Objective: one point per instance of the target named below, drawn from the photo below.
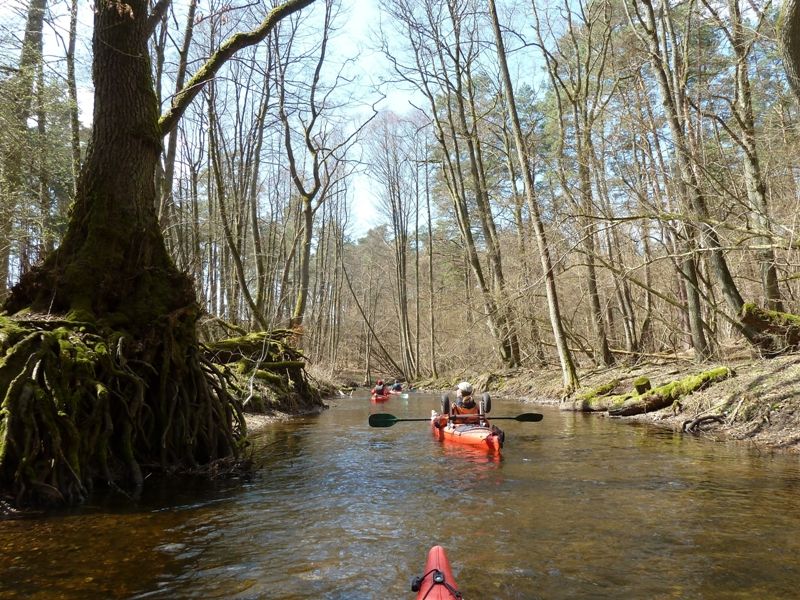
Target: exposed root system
(270, 369)
(81, 407)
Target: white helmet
(465, 388)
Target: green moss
(601, 390)
(242, 366)
(269, 376)
(10, 332)
(596, 398)
(665, 395)
(615, 402)
(750, 309)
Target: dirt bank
(759, 405)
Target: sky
(356, 39)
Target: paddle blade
(524, 417)
(382, 420)
(529, 417)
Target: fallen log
(595, 399)
(664, 395)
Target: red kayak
(438, 582)
(480, 435)
(379, 397)
(469, 429)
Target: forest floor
(758, 406)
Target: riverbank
(759, 405)
(257, 421)
(283, 406)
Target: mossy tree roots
(267, 364)
(777, 332)
(81, 406)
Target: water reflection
(574, 507)
(469, 454)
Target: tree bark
(790, 43)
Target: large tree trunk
(790, 43)
(112, 269)
(113, 259)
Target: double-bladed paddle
(387, 420)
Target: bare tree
(568, 370)
(443, 39)
(577, 70)
(324, 146)
(393, 167)
(671, 85)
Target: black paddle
(387, 420)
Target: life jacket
(464, 410)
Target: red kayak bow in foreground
(438, 582)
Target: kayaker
(397, 386)
(465, 404)
(380, 388)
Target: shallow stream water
(576, 506)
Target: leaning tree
(102, 378)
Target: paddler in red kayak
(465, 404)
(380, 389)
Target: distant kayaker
(380, 388)
(397, 386)
(465, 404)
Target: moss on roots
(266, 364)
(82, 406)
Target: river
(576, 506)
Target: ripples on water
(575, 507)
